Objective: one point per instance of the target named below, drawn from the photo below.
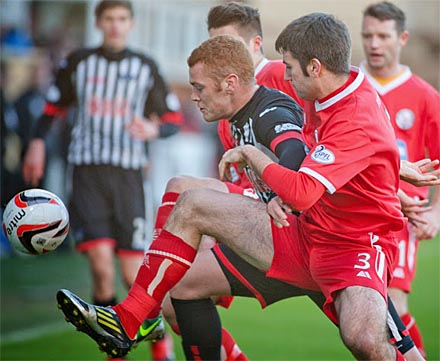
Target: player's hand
(431, 226)
(34, 162)
(413, 208)
(231, 156)
(144, 129)
(420, 173)
(277, 209)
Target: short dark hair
(320, 36)
(223, 55)
(387, 11)
(245, 17)
(107, 4)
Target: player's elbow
(302, 204)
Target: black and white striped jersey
(108, 89)
(269, 118)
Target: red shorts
(331, 265)
(405, 264)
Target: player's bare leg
(239, 222)
(101, 260)
(174, 187)
(367, 337)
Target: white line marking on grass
(31, 333)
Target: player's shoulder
(143, 56)
(417, 81)
(75, 56)
(272, 69)
(268, 95)
(271, 94)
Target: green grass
(32, 328)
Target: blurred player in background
(414, 108)
(122, 102)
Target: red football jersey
(414, 108)
(354, 155)
(269, 73)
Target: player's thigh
(239, 222)
(360, 308)
(205, 278)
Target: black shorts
(108, 203)
(247, 281)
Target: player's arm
(162, 111)
(291, 153)
(413, 208)
(297, 189)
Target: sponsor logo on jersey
(405, 119)
(95, 80)
(286, 126)
(323, 155)
(116, 107)
(265, 111)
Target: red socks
(165, 263)
(414, 332)
(169, 200)
(233, 352)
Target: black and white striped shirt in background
(108, 90)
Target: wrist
(246, 152)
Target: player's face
(210, 97)
(382, 45)
(294, 74)
(115, 24)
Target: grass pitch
(32, 328)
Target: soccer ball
(35, 221)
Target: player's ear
(231, 82)
(257, 43)
(404, 36)
(314, 67)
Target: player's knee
(361, 342)
(179, 183)
(192, 202)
